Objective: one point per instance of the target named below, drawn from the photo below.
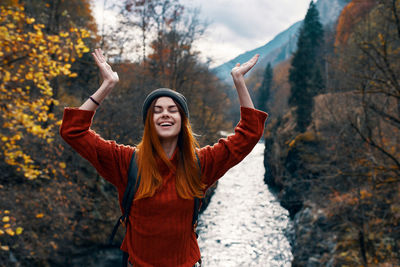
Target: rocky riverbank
(342, 213)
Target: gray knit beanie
(179, 99)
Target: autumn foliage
(351, 14)
(29, 60)
(54, 208)
(340, 179)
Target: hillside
(340, 179)
(284, 44)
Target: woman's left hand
(240, 70)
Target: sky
(234, 26)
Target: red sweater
(159, 232)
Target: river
(244, 224)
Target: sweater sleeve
(216, 160)
(110, 159)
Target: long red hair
(188, 183)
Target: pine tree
(265, 88)
(305, 74)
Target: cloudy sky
(235, 26)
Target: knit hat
(179, 99)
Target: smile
(166, 124)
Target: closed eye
(173, 109)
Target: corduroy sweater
(159, 232)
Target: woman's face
(167, 119)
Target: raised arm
(238, 73)
(110, 79)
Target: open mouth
(166, 124)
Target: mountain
(285, 43)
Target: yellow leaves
(19, 230)
(10, 232)
(7, 226)
(85, 34)
(29, 76)
(10, 26)
(31, 173)
(62, 165)
(38, 27)
(30, 20)
(64, 34)
(6, 76)
(44, 57)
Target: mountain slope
(284, 44)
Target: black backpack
(127, 200)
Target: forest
(54, 206)
(332, 143)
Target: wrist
(237, 77)
(109, 84)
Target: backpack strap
(197, 201)
(129, 194)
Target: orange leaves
(349, 17)
(5, 248)
(351, 198)
(345, 198)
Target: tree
(29, 60)
(264, 91)
(169, 61)
(305, 74)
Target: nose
(165, 113)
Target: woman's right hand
(109, 76)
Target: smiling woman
(159, 230)
(167, 120)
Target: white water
(244, 224)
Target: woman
(159, 231)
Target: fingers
(253, 60)
(98, 56)
(245, 67)
(250, 64)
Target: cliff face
(340, 178)
(298, 167)
(333, 212)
